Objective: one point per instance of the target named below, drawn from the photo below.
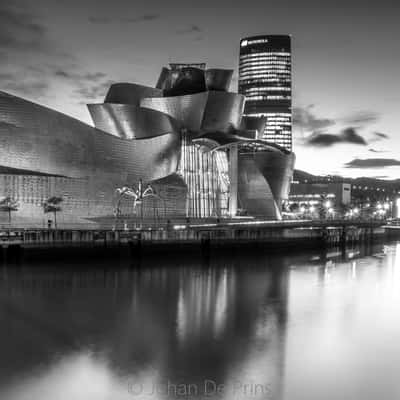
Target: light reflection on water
(309, 326)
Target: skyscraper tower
(265, 78)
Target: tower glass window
(265, 78)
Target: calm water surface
(311, 326)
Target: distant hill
(302, 176)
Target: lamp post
(329, 211)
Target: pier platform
(18, 243)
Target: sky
(346, 63)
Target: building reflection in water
(92, 332)
(250, 323)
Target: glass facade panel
(265, 79)
(206, 175)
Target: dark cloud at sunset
(123, 20)
(349, 136)
(304, 118)
(373, 163)
(362, 118)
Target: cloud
(90, 91)
(381, 135)
(20, 29)
(26, 50)
(348, 135)
(378, 136)
(189, 30)
(123, 20)
(87, 85)
(76, 76)
(306, 120)
(362, 118)
(372, 163)
(6, 76)
(376, 151)
(100, 20)
(30, 87)
(145, 17)
(34, 84)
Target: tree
(52, 205)
(8, 205)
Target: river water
(243, 326)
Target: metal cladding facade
(254, 193)
(187, 110)
(218, 79)
(277, 169)
(131, 122)
(254, 124)
(130, 93)
(206, 111)
(270, 167)
(186, 138)
(64, 157)
(223, 112)
(38, 139)
(183, 79)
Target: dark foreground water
(311, 326)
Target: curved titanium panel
(181, 82)
(254, 193)
(223, 112)
(36, 138)
(218, 79)
(245, 144)
(163, 78)
(186, 110)
(206, 112)
(254, 124)
(130, 122)
(277, 168)
(219, 139)
(130, 93)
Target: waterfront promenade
(16, 242)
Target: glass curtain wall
(205, 173)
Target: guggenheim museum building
(185, 141)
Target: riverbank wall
(20, 245)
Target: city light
(179, 227)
